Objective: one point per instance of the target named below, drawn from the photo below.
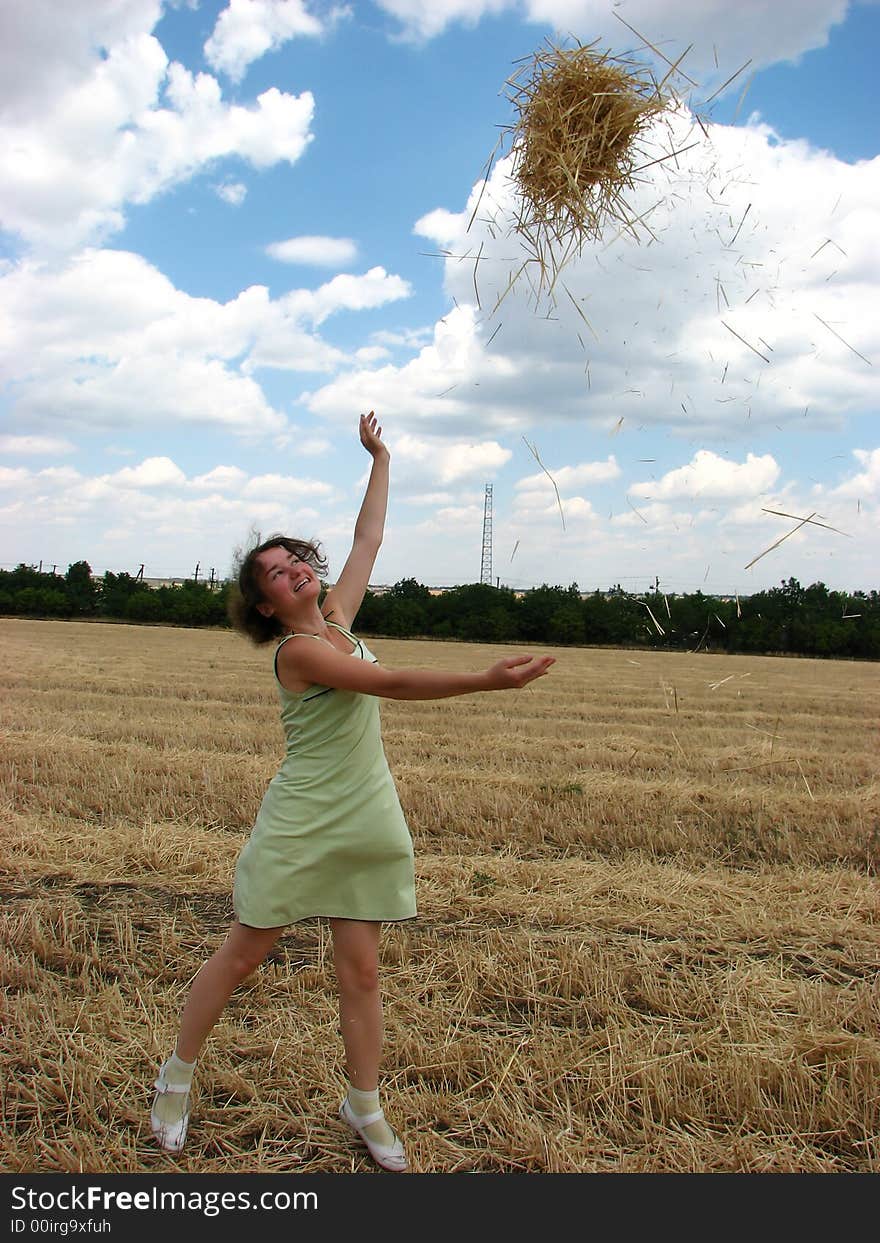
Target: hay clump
(580, 114)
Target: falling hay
(802, 522)
(580, 115)
(534, 453)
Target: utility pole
(211, 583)
(139, 577)
(486, 568)
(196, 573)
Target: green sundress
(330, 838)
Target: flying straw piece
(846, 343)
(739, 226)
(580, 312)
(660, 629)
(806, 783)
(727, 83)
(797, 518)
(745, 342)
(713, 686)
(476, 265)
(803, 522)
(655, 50)
(749, 80)
(636, 512)
(534, 453)
(513, 554)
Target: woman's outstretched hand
(514, 672)
(371, 436)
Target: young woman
(330, 838)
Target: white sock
(170, 1107)
(365, 1103)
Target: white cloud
(440, 226)
(34, 446)
(866, 483)
(124, 129)
(346, 292)
(106, 340)
(436, 387)
(153, 472)
(567, 477)
(41, 57)
(321, 252)
(423, 19)
(232, 192)
(221, 479)
(421, 458)
(709, 476)
(170, 522)
(247, 29)
(661, 346)
(762, 31)
(285, 485)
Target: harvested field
(647, 937)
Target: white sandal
(390, 1156)
(169, 1135)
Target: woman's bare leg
(237, 958)
(356, 959)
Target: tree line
(806, 621)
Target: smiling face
(287, 584)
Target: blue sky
(222, 235)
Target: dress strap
(281, 644)
(348, 633)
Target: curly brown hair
(245, 595)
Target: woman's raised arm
(344, 599)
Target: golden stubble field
(647, 937)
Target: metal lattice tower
(486, 570)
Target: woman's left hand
(371, 436)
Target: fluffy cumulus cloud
(188, 519)
(436, 388)
(247, 29)
(34, 446)
(42, 58)
(106, 340)
(154, 472)
(232, 192)
(865, 484)
(422, 19)
(425, 461)
(713, 477)
(124, 125)
(746, 302)
(567, 477)
(315, 251)
(762, 32)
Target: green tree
(81, 589)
